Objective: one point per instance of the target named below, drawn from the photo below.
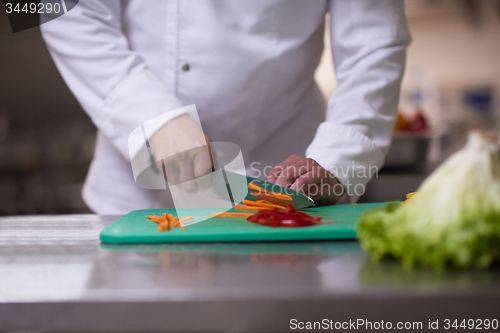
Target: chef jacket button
(185, 67)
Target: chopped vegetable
(255, 187)
(187, 218)
(157, 219)
(289, 218)
(243, 207)
(262, 203)
(257, 190)
(276, 195)
(167, 221)
(231, 214)
(454, 221)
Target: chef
(248, 66)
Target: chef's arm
(111, 81)
(369, 40)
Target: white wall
(449, 48)
(447, 51)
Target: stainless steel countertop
(56, 275)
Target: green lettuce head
(453, 221)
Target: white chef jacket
(248, 66)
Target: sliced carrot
(255, 187)
(243, 207)
(187, 218)
(164, 227)
(263, 191)
(167, 221)
(231, 214)
(276, 195)
(180, 225)
(155, 218)
(261, 204)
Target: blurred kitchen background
(451, 84)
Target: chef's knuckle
(292, 172)
(276, 171)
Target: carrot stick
(187, 218)
(179, 223)
(155, 218)
(164, 227)
(165, 224)
(255, 187)
(243, 207)
(167, 221)
(276, 195)
(229, 214)
(261, 190)
(261, 204)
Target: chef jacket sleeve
(111, 81)
(369, 40)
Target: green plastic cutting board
(136, 228)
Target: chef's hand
(307, 176)
(173, 145)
